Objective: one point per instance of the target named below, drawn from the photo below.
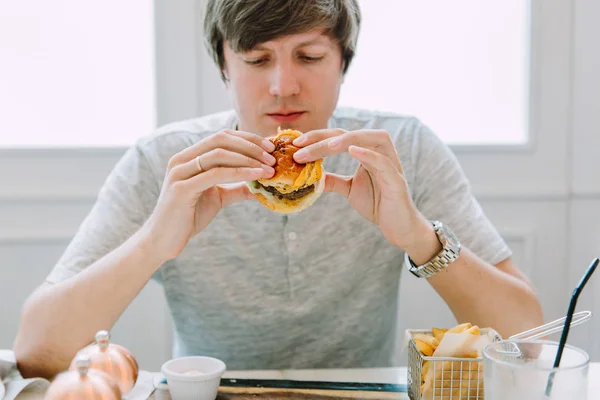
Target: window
(76, 73)
(460, 66)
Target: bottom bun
(286, 206)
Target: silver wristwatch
(450, 252)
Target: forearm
(481, 293)
(59, 319)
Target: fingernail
(269, 159)
(300, 155)
(299, 140)
(335, 142)
(268, 145)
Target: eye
(310, 59)
(257, 62)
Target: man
(259, 289)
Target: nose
(284, 82)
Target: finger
(378, 164)
(316, 136)
(218, 176)
(214, 159)
(234, 193)
(376, 139)
(223, 140)
(338, 184)
(254, 138)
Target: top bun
(289, 175)
(294, 186)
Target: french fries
(438, 333)
(474, 330)
(426, 344)
(460, 328)
(449, 379)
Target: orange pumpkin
(113, 359)
(83, 383)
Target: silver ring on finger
(200, 170)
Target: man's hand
(191, 194)
(378, 189)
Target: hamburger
(294, 187)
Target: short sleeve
(124, 203)
(441, 191)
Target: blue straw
(568, 319)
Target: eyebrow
(317, 40)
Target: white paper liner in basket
(455, 368)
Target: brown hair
(247, 23)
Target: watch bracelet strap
(438, 263)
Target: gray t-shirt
(261, 290)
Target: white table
(375, 375)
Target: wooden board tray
(271, 389)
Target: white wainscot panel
(144, 328)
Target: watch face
(447, 237)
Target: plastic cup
(523, 370)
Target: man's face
(291, 82)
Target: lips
(287, 116)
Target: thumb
(338, 184)
(231, 194)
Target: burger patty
(290, 196)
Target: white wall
(544, 199)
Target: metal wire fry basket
(449, 378)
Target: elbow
(536, 312)
(35, 361)
(530, 313)
(36, 356)
(522, 313)
(32, 367)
